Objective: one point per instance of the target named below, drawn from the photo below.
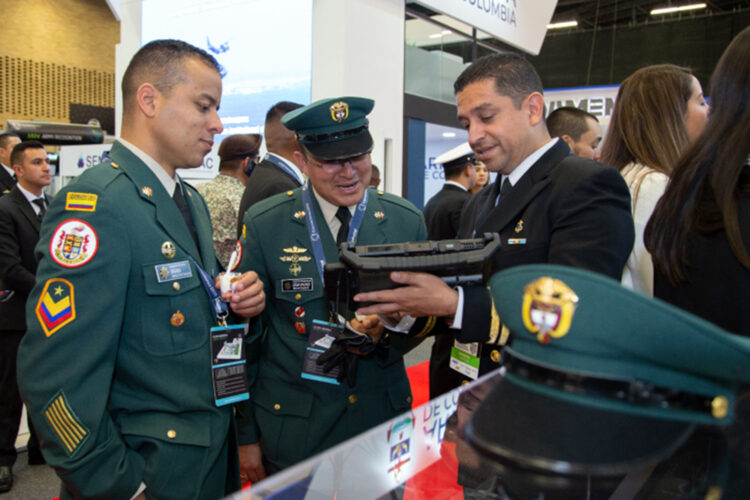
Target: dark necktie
(504, 189)
(181, 202)
(42, 209)
(344, 216)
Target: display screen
(263, 46)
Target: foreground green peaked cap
(632, 353)
(600, 380)
(333, 128)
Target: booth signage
(520, 23)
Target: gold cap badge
(548, 308)
(339, 111)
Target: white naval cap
(460, 154)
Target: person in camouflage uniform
(224, 192)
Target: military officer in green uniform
(116, 368)
(295, 410)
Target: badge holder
(465, 358)
(228, 356)
(320, 339)
(228, 367)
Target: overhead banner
(520, 23)
(598, 100)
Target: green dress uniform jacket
(295, 418)
(115, 367)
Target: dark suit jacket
(19, 234)
(443, 212)
(265, 180)
(718, 284)
(6, 181)
(565, 210)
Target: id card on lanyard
(465, 358)
(228, 367)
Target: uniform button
(171, 434)
(298, 296)
(352, 398)
(464, 382)
(719, 407)
(277, 407)
(176, 286)
(408, 399)
(495, 356)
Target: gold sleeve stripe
(65, 424)
(494, 324)
(428, 326)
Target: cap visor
(531, 430)
(346, 148)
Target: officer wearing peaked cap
(442, 214)
(607, 380)
(292, 413)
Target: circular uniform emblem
(73, 243)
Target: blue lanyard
(312, 226)
(283, 166)
(214, 295)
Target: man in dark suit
(20, 216)
(546, 204)
(442, 214)
(7, 177)
(277, 172)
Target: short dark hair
(280, 109)
(16, 156)
(454, 169)
(568, 120)
(514, 76)
(5, 138)
(157, 63)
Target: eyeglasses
(333, 166)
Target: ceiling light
(563, 24)
(680, 8)
(449, 135)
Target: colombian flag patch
(56, 307)
(83, 202)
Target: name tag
(173, 271)
(297, 285)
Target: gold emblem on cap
(519, 226)
(379, 215)
(147, 191)
(339, 111)
(167, 249)
(719, 407)
(299, 214)
(548, 308)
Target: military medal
(299, 312)
(177, 319)
(300, 326)
(167, 249)
(294, 259)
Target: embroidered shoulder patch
(65, 423)
(56, 307)
(73, 243)
(83, 202)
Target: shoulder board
(272, 202)
(396, 200)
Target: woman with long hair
(659, 110)
(483, 177)
(699, 234)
